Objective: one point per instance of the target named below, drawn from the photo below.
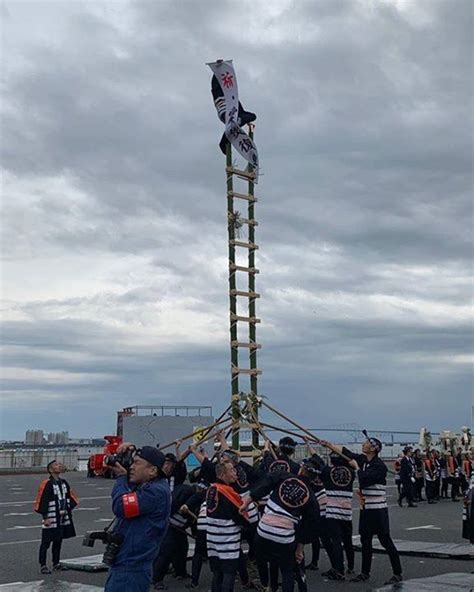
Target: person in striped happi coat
(224, 524)
(174, 548)
(430, 478)
(374, 520)
(468, 510)
(290, 520)
(55, 501)
(338, 480)
(321, 497)
(443, 473)
(246, 476)
(197, 505)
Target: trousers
(128, 581)
(56, 551)
(340, 533)
(387, 543)
(174, 549)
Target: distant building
(58, 438)
(34, 437)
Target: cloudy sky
(114, 273)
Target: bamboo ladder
(238, 320)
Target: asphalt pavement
(20, 534)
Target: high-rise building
(60, 438)
(34, 437)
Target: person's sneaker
(393, 580)
(412, 506)
(44, 569)
(362, 577)
(400, 503)
(336, 576)
(349, 572)
(59, 567)
(185, 576)
(312, 566)
(329, 572)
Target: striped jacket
(320, 494)
(224, 523)
(179, 497)
(338, 480)
(372, 477)
(55, 501)
(292, 512)
(468, 512)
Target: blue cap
(152, 455)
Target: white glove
(413, 480)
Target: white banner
(225, 74)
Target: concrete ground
(20, 534)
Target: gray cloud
(113, 232)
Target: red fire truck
(95, 465)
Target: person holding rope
(374, 519)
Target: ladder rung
(242, 293)
(244, 174)
(234, 267)
(245, 221)
(242, 196)
(237, 243)
(244, 344)
(251, 371)
(234, 317)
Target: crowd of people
(253, 522)
(433, 472)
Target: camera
(124, 458)
(112, 541)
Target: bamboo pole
(305, 431)
(309, 434)
(218, 419)
(252, 301)
(234, 350)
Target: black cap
(313, 464)
(287, 442)
(376, 443)
(51, 462)
(152, 455)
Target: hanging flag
(245, 146)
